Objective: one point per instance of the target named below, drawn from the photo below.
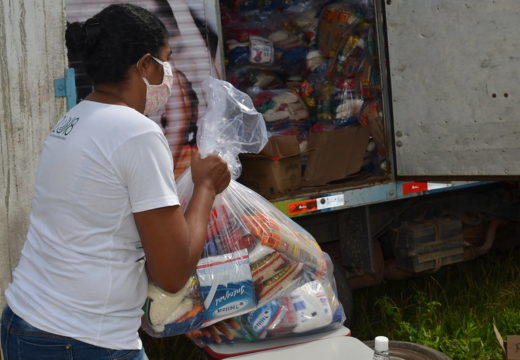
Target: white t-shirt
(81, 273)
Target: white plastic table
(337, 348)
(331, 345)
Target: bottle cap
(381, 343)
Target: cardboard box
(511, 346)
(335, 154)
(277, 169)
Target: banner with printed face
(192, 28)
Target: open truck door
(454, 69)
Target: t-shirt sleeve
(145, 165)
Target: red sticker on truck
(414, 187)
(301, 207)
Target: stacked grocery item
(284, 112)
(255, 257)
(311, 307)
(324, 54)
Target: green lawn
(452, 310)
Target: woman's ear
(143, 65)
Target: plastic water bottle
(381, 351)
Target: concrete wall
(32, 55)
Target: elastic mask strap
(163, 63)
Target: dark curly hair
(114, 39)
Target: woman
(105, 213)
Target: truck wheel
(402, 350)
(344, 293)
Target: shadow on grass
(172, 348)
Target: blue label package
(226, 285)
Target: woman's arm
(173, 240)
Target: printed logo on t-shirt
(64, 127)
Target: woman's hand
(211, 172)
(215, 331)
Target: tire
(344, 293)
(402, 350)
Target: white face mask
(157, 95)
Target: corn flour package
(258, 266)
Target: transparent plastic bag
(337, 20)
(230, 126)
(241, 6)
(284, 112)
(245, 78)
(166, 313)
(342, 83)
(254, 253)
(272, 39)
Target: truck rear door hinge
(66, 87)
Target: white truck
(449, 75)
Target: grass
(452, 310)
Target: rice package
(254, 254)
